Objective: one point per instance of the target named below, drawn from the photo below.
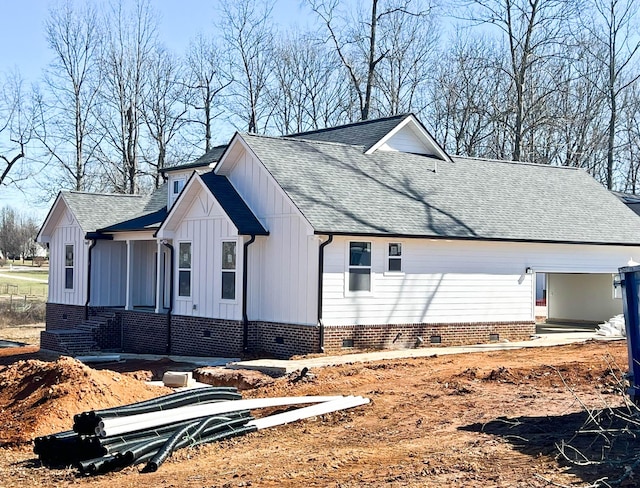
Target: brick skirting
(283, 340)
(60, 316)
(421, 335)
(146, 333)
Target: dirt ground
(474, 420)
(25, 334)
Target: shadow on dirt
(592, 445)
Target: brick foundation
(61, 316)
(146, 333)
(283, 340)
(423, 335)
(199, 336)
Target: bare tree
(129, 44)
(66, 127)
(613, 43)
(357, 40)
(467, 93)
(207, 78)
(15, 130)
(308, 91)
(533, 30)
(165, 107)
(248, 36)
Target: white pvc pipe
(119, 425)
(306, 412)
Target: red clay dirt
(471, 420)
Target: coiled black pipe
(190, 433)
(87, 422)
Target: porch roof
(233, 205)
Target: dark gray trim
(86, 303)
(171, 291)
(479, 239)
(320, 288)
(245, 275)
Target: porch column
(128, 303)
(159, 276)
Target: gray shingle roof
(211, 156)
(341, 190)
(101, 210)
(364, 134)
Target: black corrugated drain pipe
(245, 274)
(320, 283)
(164, 242)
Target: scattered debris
(242, 379)
(614, 327)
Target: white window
(229, 270)
(359, 266)
(178, 185)
(68, 266)
(184, 269)
(394, 257)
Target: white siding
(67, 231)
(283, 267)
(456, 281)
(205, 225)
(405, 140)
(109, 274)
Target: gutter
(320, 286)
(164, 242)
(245, 272)
(86, 303)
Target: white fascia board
(56, 210)
(427, 139)
(136, 235)
(238, 139)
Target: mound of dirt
(39, 398)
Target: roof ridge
(307, 141)
(103, 194)
(520, 163)
(351, 124)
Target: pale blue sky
(23, 47)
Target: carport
(582, 297)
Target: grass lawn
(12, 284)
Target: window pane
(360, 254)
(178, 185)
(184, 260)
(68, 255)
(68, 278)
(395, 264)
(395, 249)
(359, 279)
(229, 285)
(184, 283)
(228, 255)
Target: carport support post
(630, 283)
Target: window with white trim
(68, 266)
(178, 185)
(360, 266)
(394, 257)
(184, 269)
(228, 270)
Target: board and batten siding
(454, 281)
(109, 274)
(283, 267)
(67, 231)
(205, 226)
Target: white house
(367, 235)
